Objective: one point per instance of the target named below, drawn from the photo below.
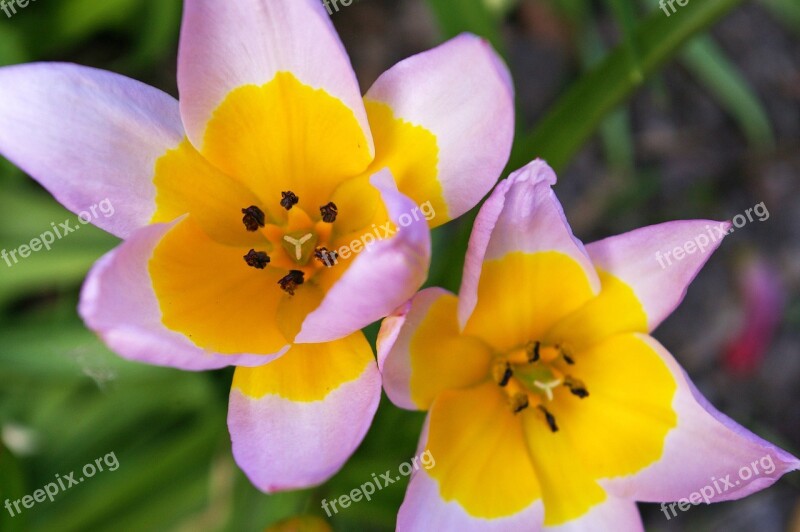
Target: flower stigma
(531, 374)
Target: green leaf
(12, 48)
(577, 114)
(615, 130)
(12, 483)
(28, 215)
(625, 14)
(501, 8)
(78, 19)
(786, 12)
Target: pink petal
(247, 42)
(522, 214)
(380, 279)
(637, 259)
(394, 346)
(283, 444)
(424, 509)
(88, 136)
(118, 303)
(461, 92)
(706, 446)
(612, 514)
(762, 293)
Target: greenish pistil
(530, 375)
(300, 246)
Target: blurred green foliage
(65, 400)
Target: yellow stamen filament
(518, 356)
(518, 397)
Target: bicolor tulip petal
(270, 210)
(454, 104)
(425, 507)
(630, 258)
(119, 303)
(424, 336)
(716, 457)
(640, 289)
(248, 44)
(611, 514)
(86, 136)
(295, 421)
(524, 246)
(547, 396)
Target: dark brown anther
(329, 212)
(533, 351)
(291, 281)
(506, 375)
(253, 218)
(288, 200)
(519, 402)
(328, 258)
(568, 359)
(576, 387)
(257, 259)
(550, 418)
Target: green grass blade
(625, 14)
(785, 11)
(578, 113)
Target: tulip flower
(762, 293)
(246, 207)
(549, 404)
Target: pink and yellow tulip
(550, 405)
(229, 200)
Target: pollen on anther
(533, 351)
(253, 218)
(519, 402)
(329, 212)
(257, 259)
(550, 418)
(328, 258)
(291, 281)
(502, 373)
(289, 199)
(576, 387)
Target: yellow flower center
(297, 244)
(529, 374)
